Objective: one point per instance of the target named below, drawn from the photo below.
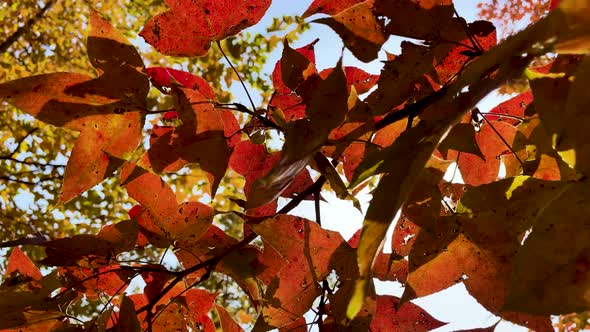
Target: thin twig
(316, 199)
(20, 142)
(30, 163)
(125, 284)
(22, 30)
(238, 74)
(472, 38)
(448, 206)
(499, 115)
(29, 183)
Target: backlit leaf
(360, 30)
(228, 324)
(407, 317)
(201, 137)
(20, 262)
(329, 7)
(189, 27)
(326, 110)
(127, 317)
(310, 252)
(162, 215)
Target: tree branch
(5, 45)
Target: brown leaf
(360, 29)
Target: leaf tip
(358, 298)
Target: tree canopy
(131, 153)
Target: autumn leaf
(360, 29)
(329, 7)
(304, 137)
(483, 34)
(29, 303)
(475, 170)
(461, 138)
(402, 163)
(228, 324)
(189, 27)
(200, 302)
(435, 19)
(401, 77)
(161, 214)
(108, 110)
(127, 316)
(478, 246)
(407, 317)
(355, 77)
(296, 61)
(20, 262)
(201, 138)
(310, 252)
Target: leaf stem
(238, 74)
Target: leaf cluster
(517, 242)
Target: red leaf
(20, 262)
(166, 77)
(228, 324)
(231, 128)
(409, 317)
(479, 247)
(189, 27)
(93, 283)
(127, 317)
(248, 266)
(311, 253)
(299, 325)
(385, 267)
(304, 138)
(253, 162)
(108, 111)
(426, 20)
(476, 171)
(402, 78)
(122, 235)
(162, 215)
(68, 251)
(135, 211)
(404, 235)
(390, 267)
(201, 137)
(482, 31)
(286, 100)
(200, 302)
(170, 115)
(514, 106)
(360, 79)
(553, 4)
